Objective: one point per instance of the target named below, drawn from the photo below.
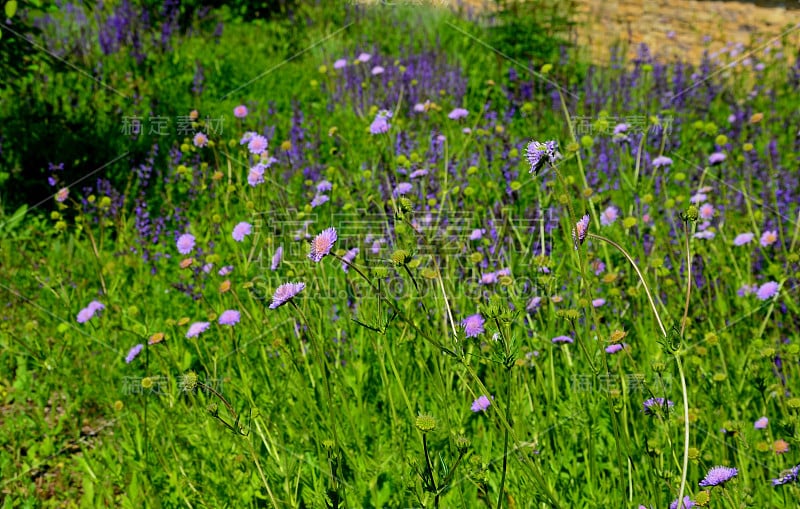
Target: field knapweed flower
(348, 258)
(200, 140)
(769, 237)
(276, 258)
(718, 475)
(133, 352)
(229, 317)
(761, 423)
(539, 154)
(242, 230)
(473, 325)
(196, 328)
(743, 238)
(787, 476)
(284, 293)
(716, 158)
(652, 404)
(185, 243)
(322, 244)
(240, 111)
(687, 503)
(457, 114)
(580, 231)
(257, 144)
(609, 215)
(87, 313)
(662, 161)
(562, 339)
(481, 404)
(767, 290)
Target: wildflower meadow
(407, 254)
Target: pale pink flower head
(363, 57)
(340, 64)
(769, 237)
(761, 423)
(185, 243)
(62, 194)
(706, 211)
(240, 111)
(481, 404)
(609, 215)
(458, 114)
(743, 238)
(322, 244)
(200, 140)
(229, 317)
(257, 144)
(767, 290)
(242, 230)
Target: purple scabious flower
(246, 137)
(185, 243)
(761, 423)
(276, 258)
(706, 212)
(242, 230)
(621, 129)
(489, 278)
(89, 311)
(284, 293)
(769, 237)
(348, 258)
(562, 339)
(705, 235)
(363, 57)
(609, 216)
(240, 111)
(324, 186)
(788, 476)
(698, 198)
(196, 328)
(380, 125)
(257, 144)
(473, 325)
(377, 70)
(62, 194)
(200, 140)
(533, 304)
(256, 175)
(401, 189)
(318, 200)
(687, 503)
(229, 317)
(662, 161)
(418, 173)
(133, 352)
(539, 154)
(224, 271)
(716, 158)
(481, 404)
(477, 234)
(718, 475)
(598, 302)
(767, 290)
(580, 231)
(322, 244)
(746, 290)
(743, 238)
(617, 347)
(652, 404)
(340, 64)
(458, 114)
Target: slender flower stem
(507, 402)
(685, 468)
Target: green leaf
(12, 222)
(11, 8)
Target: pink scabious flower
(133, 352)
(458, 114)
(489, 278)
(348, 258)
(276, 258)
(562, 339)
(200, 140)
(363, 57)
(716, 158)
(242, 230)
(256, 175)
(284, 293)
(62, 194)
(662, 161)
(418, 173)
(322, 244)
(481, 404)
(598, 302)
(769, 237)
(240, 111)
(580, 231)
(761, 423)
(473, 325)
(609, 215)
(229, 317)
(743, 238)
(377, 70)
(324, 186)
(185, 243)
(89, 311)
(767, 290)
(706, 212)
(196, 328)
(257, 144)
(746, 289)
(340, 64)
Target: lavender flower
(133, 352)
(562, 339)
(185, 243)
(761, 423)
(481, 404)
(240, 111)
(609, 216)
(767, 290)
(473, 325)
(257, 144)
(718, 475)
(652, 404)
(348, 258)
(322, 244)
(242, 230)
(196, 328)
(285, 293)
(229, 317)
(539, 154)
(458, 114)
(580, 231)
(276, 258)
(743, 238)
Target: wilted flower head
(322, 244)
(652, 404)
(743, 238)
(473, 325)
(185, 243)
(780, 446)
(580, 231)
(133, 352)
(241, 230)
(481, 404)
(457, 114)
(229, 317)
(718, 475)
(767, 290)
(539, 154)
(284, 293)
(240, 111)
(196, 328)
